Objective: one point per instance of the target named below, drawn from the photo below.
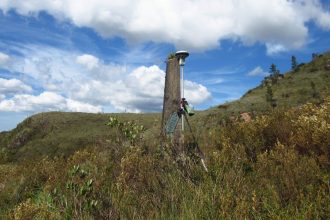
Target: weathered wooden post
(175, 107)
(172, 96)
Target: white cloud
(90, 80)
(324, 20)
(77, 106)
(94, 67)
(4, 58)
(10, 86)
(140, 90)
(196, 93)
(89, 61)
(275, 22)
(312, 10)
(258, 71)
(2, 97)
(275, 48)
(46, 101)
(50, 68)
(213, 81)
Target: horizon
(109, 57)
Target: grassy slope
(254, 170)
(295, 89)
(275, 167)
(58, 133)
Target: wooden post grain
(172, 96)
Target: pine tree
(294, 64)
(272, 69)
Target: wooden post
(172, 96)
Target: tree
(270, 97)
(274, 73)
(277, 73)
(273, 69)
(314, 56)
(294, 63)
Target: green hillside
(60, 165)
(58, 133)
(61, 134)
(293, 90)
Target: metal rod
(199, 151)
(182, 83)
(182, 96)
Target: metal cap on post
(181, 55)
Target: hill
(275, 167)
(295, 88)
(73, 166)
(58, 133)
(62, 133)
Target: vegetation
(61, 134)
(171, 56)
(294, 63)
(315, 93)
(112, 166)
(293, 89)
(269, 97)
(273, 69)
(276, 166)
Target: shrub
(274, 167)
(31, 210)
(128, 131)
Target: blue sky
(108, 56)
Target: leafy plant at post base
(129, 131)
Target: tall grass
(275, 167)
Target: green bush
(126, 131)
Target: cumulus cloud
(312, 9)
(93, 81)
(258, 71)
(275, 48)
(46, 101)
(196, 93)
(96, 68)
(4, 58)
(140, 90)
(275, 22)
(2, 97)
(10, 86)
(324, 20)
(89, 61)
